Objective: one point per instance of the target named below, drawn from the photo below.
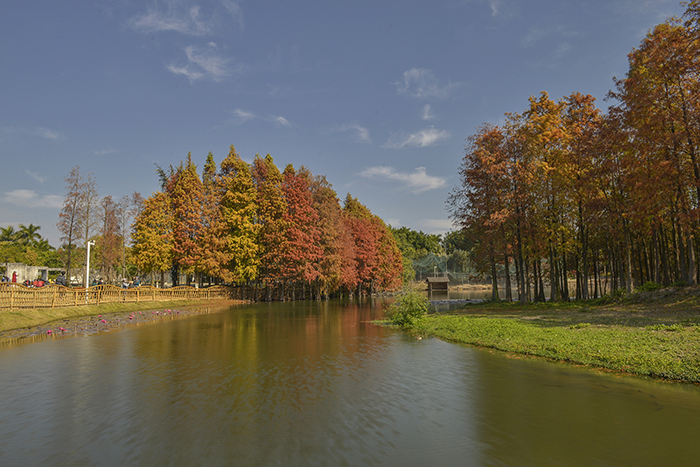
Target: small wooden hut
(438, 284)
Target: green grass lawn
(16, 319)
(655, 334)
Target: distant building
(25, 272)
(438, 284)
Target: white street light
(87, 269)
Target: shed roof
(437, 280)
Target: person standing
(14, 277)
(61, 279)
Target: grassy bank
(16, 319)
(655, 333)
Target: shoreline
(649, 334)
(92, 319)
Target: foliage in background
(564, 191)
(249, 223)
(26, 245)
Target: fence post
(53, 298)
(12, 297)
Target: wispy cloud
(36, 176)
(361, 133)
(536, 34)
(185, 17)
(423, 138)
(417, 181)
(241, 116)
(422, 83)
(562, 50)
(41, 132)
(281, 121)
(499, 8)
(427, 113)
(105, 151)
(31, 199)
(205, 62)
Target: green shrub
(650, 287)
(408, 309)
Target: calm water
(313, 384)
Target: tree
(213, 239)
(29, 234)
(152, 237)
(186, 193)
(70, 219)
(109, 244)
(238, 212)
(271, 209)
(300, 258)
(336, 265)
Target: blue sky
(379, 95)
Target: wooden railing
(16, 296)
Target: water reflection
(315, 384)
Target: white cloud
(185, 18)
(204, 62)
(417, 181)
(282, 121)
(422, 83)
(422, 139)
(105, 151)
(31, 199)
(36, 176)
(361, 133)
(437, 226)
(48, 133)
(427, 112)
(241, 116)
(495, 7)
(36, 131)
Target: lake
(314, 383)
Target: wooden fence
(16, 296)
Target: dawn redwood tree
(659, 102)
(186, 192)
(478, 204)
(302, 253)
(238, 212)
(152, 235)
(272, 206)
(390, 267)
(366, 238)
(213, 239)
(334, 239)
(582, 120)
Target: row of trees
(87, 217)
(564, 190)
(26, 245)
(250, 223)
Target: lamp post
(87, 269)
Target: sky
(379, 96)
